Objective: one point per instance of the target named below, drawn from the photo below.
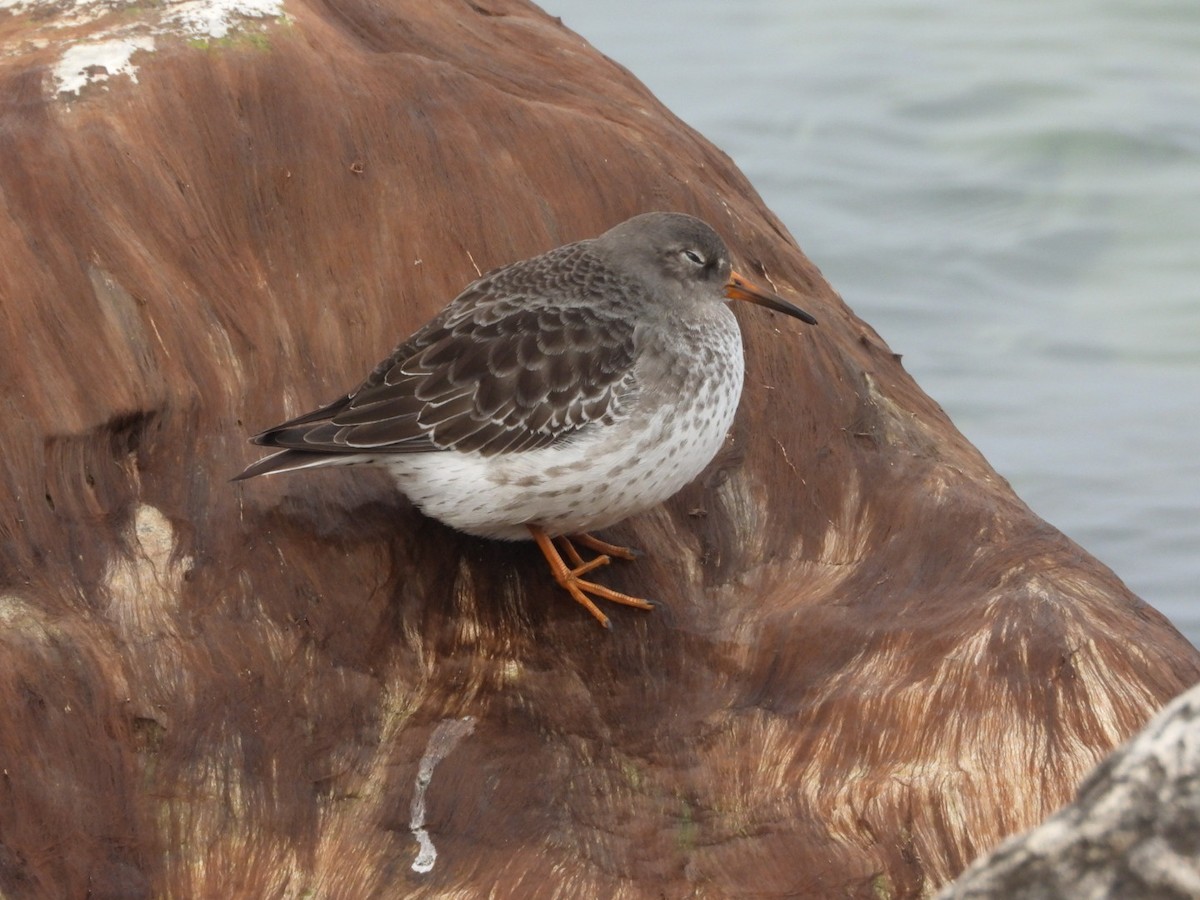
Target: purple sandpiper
(555, 396)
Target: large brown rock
(871, 661)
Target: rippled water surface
(1010, 194)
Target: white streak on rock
(444, 739)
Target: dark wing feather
(523, 358)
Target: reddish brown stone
(871, 661)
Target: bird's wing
(516, 362)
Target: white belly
(604, 475)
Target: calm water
(1010, 194)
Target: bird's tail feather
(291, 460)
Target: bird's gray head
(674, 253)
(682, 258)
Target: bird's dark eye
(693, 257)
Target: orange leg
(572, 554)
(578, 566)
(570, 581)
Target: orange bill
(738, 288)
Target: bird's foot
(569, 578)
(579, 590)
(605, 548)
(578, 566)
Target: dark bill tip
(738, 288)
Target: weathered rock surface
(871, 663)
(1133, 831)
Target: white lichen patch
(84, 64)
(144, 586)
(20, 619)
(216, 19)
(100, 37)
